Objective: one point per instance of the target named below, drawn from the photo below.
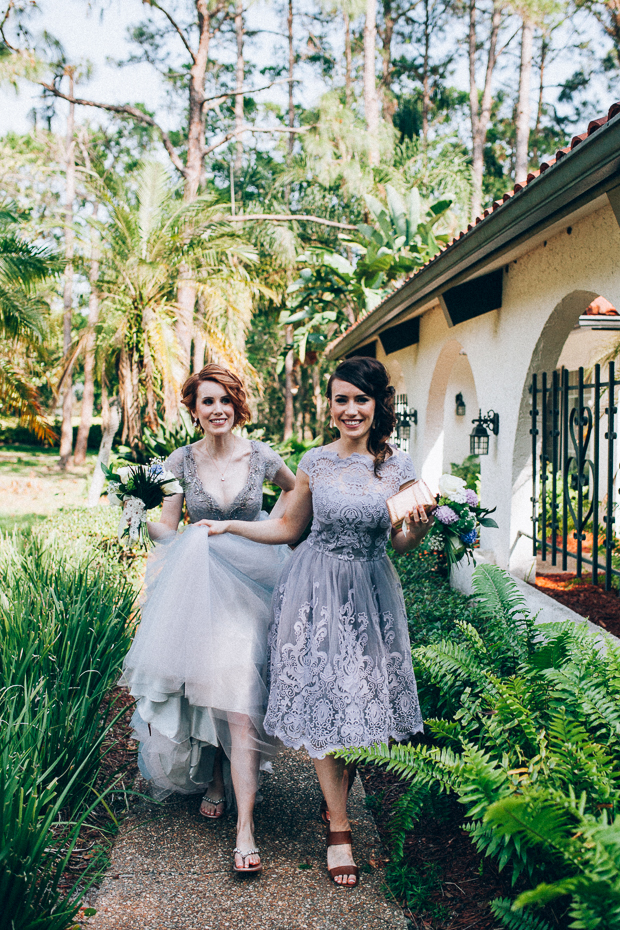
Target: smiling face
(214, 408)
(352, 410)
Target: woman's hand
(215, 527)
(415, 527)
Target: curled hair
(231, 383)
(371, 377)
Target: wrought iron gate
(574, 453)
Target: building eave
(587, 170)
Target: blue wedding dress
(198, 663)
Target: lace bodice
(351, 519)
(264, 465)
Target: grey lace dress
(341, 672)
(198, 663)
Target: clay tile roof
(596, 124)
(600, 306)
(613, 110)
(576, 140)
(545, 165)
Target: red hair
(228, 380)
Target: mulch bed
(592, 601)
(466, 881)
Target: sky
(99, 36)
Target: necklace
(221, 473)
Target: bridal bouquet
(138, 488)
(458, 519)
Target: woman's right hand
(215, 527)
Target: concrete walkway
(172, 869)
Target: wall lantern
(479, 437)
(405, 416)
(460, 405)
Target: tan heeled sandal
(342, 838)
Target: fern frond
(516, 920)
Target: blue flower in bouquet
(469, 538)
(471, 497)
(446, 515)
(156, 468)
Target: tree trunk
(523, 106)
(88, 397)
(348, 74)
(66, 433)
(200, 345)
(426, 97)
(371, 104)
(289, 411)
(240, 77)
(186, 293)
(544, 46)
(388, 104)
(291, 69)
(480, 111)
(110, 421)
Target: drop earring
(332, 425)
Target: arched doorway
(446, 434)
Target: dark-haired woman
(341, 672)
(198, 663)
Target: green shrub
(65, 626)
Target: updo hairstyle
(231, 384)
(372, 378)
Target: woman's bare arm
(286, 528)
(285, 479)
(169, 520)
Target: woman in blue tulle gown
(198, 664)
(341, 672)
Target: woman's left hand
(215, 527)
(415, 527)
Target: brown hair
(371, 377)
(228, 380)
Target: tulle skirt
(341, 672)
(198, 663)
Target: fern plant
(526, 734)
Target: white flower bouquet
(137, 489)
(458, 519)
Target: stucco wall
(544, 293)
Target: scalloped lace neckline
(223, 508)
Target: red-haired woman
(198, 663)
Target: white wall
(544, 293)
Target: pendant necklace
(221, 473)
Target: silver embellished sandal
(215, 803)
(244, 856)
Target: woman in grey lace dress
(341, 672)
(198, 664)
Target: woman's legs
(334, 781)
(244, 764)
(216, 789)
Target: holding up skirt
(198, 664)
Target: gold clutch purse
(412, 494)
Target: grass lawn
(32, 486)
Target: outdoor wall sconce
(405, 416)
(460, 405)
(479, 437)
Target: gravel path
(172, 869)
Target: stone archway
(545, 357)
(446, 436)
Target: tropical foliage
(525, 731)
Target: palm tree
(24, 268)
(145, 248)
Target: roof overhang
(576, 185)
